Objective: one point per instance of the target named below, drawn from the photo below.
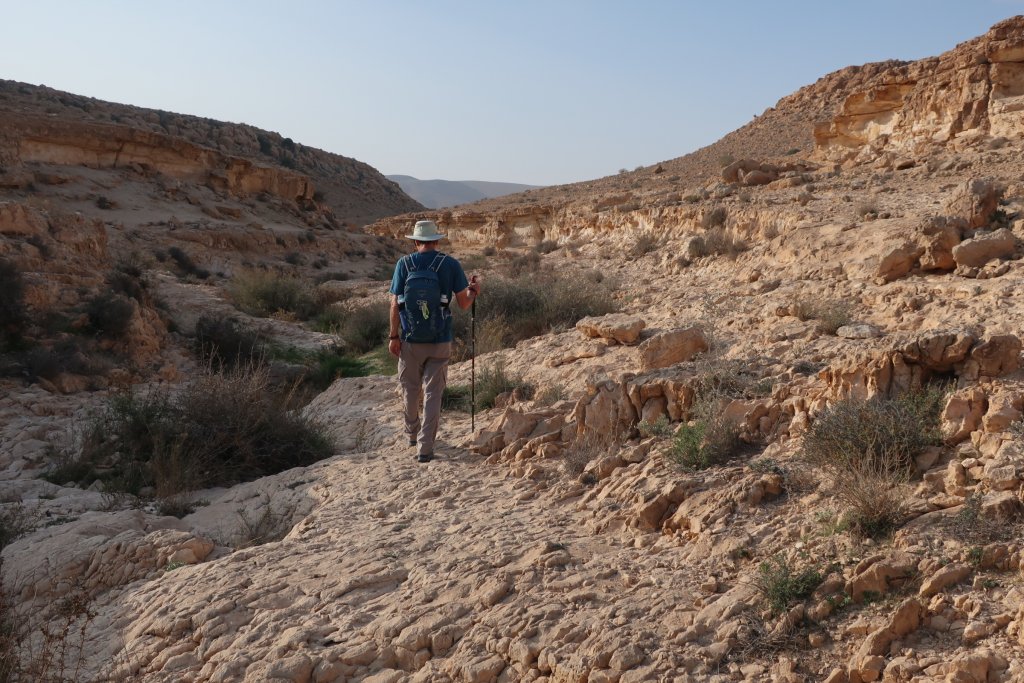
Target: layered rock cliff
(42, 124)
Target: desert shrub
(546, 247)
(970, 526)
(494, 380)
(294, 258)
(12, 305)
(867, 447)
(866, 209)
(805, 198)
(901, 427)
(551, 395)
(721, 378)
(659, 427)
(489, 251)
(186, 264)
(15, 520)
(724, 243)
(643, 244)
(871, 489)
(220, 428)
(331, 275)
(780, 585)
(831, 314)
(714, 218)
(457, 397)
(48, 646)
(525, 264)
(264, 294)
(126, 279)
(708, 439)
(584, 450)
(806, 367)
(69, 355)
(105, 203)
(471, 262)
(513, 309)
(364, 328)
(109, 314)
(227, 342)
(492, 334)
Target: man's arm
(394, 342)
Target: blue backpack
(424, 308)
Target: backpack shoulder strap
(410, 263)
(435, 265)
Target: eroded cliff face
(42, 125)
(972, 92)
(28, 140)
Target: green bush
(328, 365)
(264, 294)
(659, 427)
(780, 585)
(221, 428)
(363, 329)
(226, 342)
(494, 380)
(456, 397)
(708, 439)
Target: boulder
(977, 251)
(997, 355)
(962, 414)
(615, 327)
(941, 235)
(674, 346)
(757, 177)
(975, 201)
(898, 261)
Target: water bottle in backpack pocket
(424, 308)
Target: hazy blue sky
(530, 91)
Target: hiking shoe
(426, 457)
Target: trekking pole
(472, 366)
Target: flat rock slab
(671, 347)
(615, 327)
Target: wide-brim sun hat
(425, 231)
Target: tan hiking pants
(423, 374)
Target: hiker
(422, 289)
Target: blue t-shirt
(450, 276)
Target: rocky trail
(404, 571)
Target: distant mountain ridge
(436, 194)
